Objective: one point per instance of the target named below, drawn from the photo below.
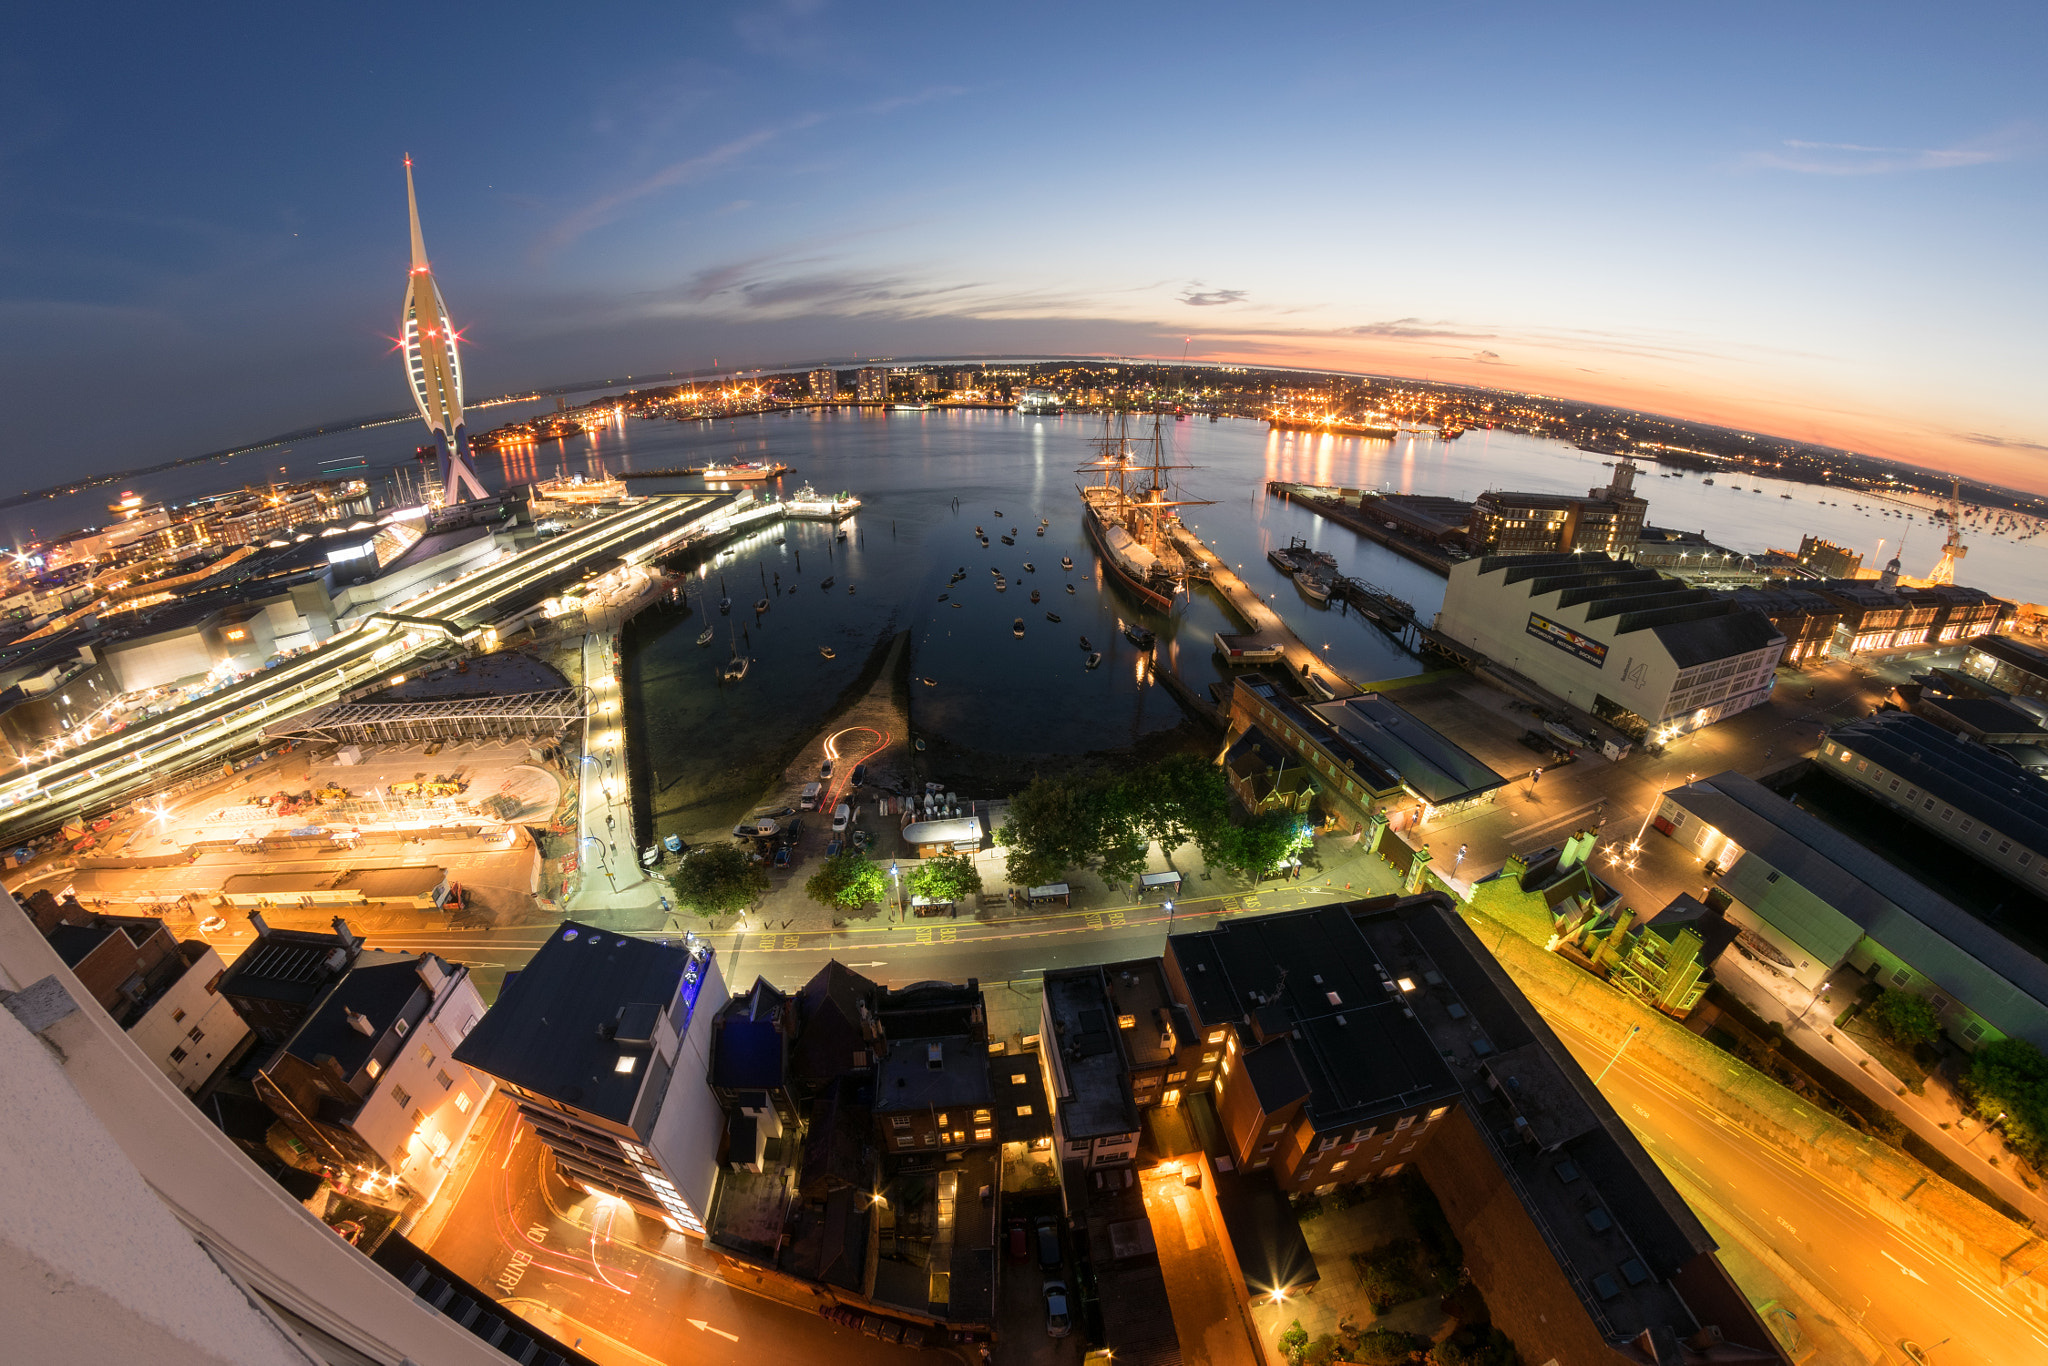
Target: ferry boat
(812, 506)
(1372, 426)
(746, 471)
(1314, 583)
(1131, 520)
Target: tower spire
(412, 205)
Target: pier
(1329, 502)
(1266, 630)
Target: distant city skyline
(1821, 225)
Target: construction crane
(1952, 549)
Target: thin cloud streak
(608, 208)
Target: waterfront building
(1691, 557)
(1828, 560)
(1623, 643)
(824, 385)
(2014, 667)
(1804, 617)
(1364, 757)
(871, 385)
(604, 1043)
(1885, 617)
(1818, 907)
(433, 365)
(1607, 521)
(1965, 793)
(1427, 517)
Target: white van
(842, 816)
(809, 801)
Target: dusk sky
(1820, 221)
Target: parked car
(825, 771)
(1048, 1243)
(1058, 1321)
(860, 775)
(1020, 1242)
(842, 816)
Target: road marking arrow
(1904, 1270)
(702, 1326)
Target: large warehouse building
(1623, 643)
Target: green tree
(2010, 1077)
(718, 879)
(847, 881)
(1903, 1018)
(1293, 1342)
(946, 879)
(1258, 845)
(1051, 829)
(1177, 798)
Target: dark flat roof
(1428, 762)
(1972, 778)
(543, 1035)
(380, 992)
(1332, 1004)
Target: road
(1891, 1286)
(617, 1288)
(112, 768)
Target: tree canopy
(847, 881)
(717, 879)
(2010, 1076)
(1904, 1018)
(1107, 822)
(952, 878)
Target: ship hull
(1152, 596)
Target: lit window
(1336, 1167)
(1018, 1079)
(1126, 1022)
(1439, 1112)
(1177, 1076)
(462, 1101)
(177, 1017)
(983, 1135)
(375, 1069)
(625, 1064)
(1023, 1110)
(1215, 1036)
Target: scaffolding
(527, 715)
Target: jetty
(1267, 637)
(1356, 514)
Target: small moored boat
(1030, 568)
(705, 637)
(1017, 628)
(1139, 636)
(828, 652)
(1094, 659)
(1034, 596)
(1053, 617)
(1007, 540)
(760, 607)
(1066, 561)
(1085, 645)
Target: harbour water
(927, 480)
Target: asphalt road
(1889, 1286)
(620, 1289)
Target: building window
(177, 1017)
(2005, 846)
(1364, 1134)
(1275, 1128)
(1394, 1170)
(1894, 785)
(899, 1121)
(462, 1101)
(1023, 1110)
(1260, 1163)
(447, 1082)
(984, 1135)
(1019, 1079)
(904, 1140)
(1126, 1022)
(1266, 1147)
(1215, 1036)
(1336, 1167)
(374, 1068)
(1772, 878)
(1177, 1076)
(931, 1140)
(401, 1029)
(1984, 835)
(1439, 1112)
(1947, 811)
(402, 1096)
(1404, 1121)
(177, 1055)
(1973, 1031)
(1902, 976)
(1211, 1056)
(1203, 1076)
(1965, 827)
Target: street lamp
(1169, 915)
(602, 861)
(1810, 1000)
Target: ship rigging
(1132, 512)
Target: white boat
(813, 506)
